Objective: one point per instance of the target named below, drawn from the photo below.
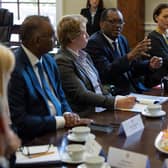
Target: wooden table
(142, 142)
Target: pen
(115, 124)
(40, 154)
(137, 101)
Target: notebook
(38, 156)
(143, 101)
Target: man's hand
(126, 102)
(140, 49)
(73, 119)
(155, 62)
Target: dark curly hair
(158, 10)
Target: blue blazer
(117, 71)
(28, 105)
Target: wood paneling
(134, 16)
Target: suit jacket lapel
(77, 65)
(31, 74)
(108, 48)
(50, 77)
(121, 47)
(35, 81)
(164, 43)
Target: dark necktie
(48, 91)
(116, 52)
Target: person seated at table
(159, 44)
(80, 79)
(36, 99)
(9, 141)
(116, 64)
(92, 12)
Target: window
(23, 8)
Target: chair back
(6, 23)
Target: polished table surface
(141, 142)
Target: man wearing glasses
(117, 65)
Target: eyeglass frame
(29, 154)
(112, 22)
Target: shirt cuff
(4, 162)
(116, 98)
(60, 122)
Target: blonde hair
(69, 27)
(7, 62)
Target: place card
(92, 147)
(131, 126)
(165, 164)
(126, 159)
(133, 139)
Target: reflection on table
(141, 142)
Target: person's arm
(76, 89)
(107, 66)
(28, 110)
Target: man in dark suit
(110, 52)
(33, 110)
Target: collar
(80, 55)
(32, 58)
(109, 39)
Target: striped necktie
(116, 51)
(48, 91)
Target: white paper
(148, 99)
(53, 155)
(136, 108)
(92, 147)
(131, 126)
(126, 159)
(144, 101)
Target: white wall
(149, 6)
(74, 6)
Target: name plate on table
(131, 126)
(126, 159)
(165, 164)
(92, 147)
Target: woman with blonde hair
(9, 141)
(80, 79)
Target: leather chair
(6, 23)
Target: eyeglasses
(33, 152)
(114, 22)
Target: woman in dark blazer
(80, 79)
(159, 44)
(93, 12)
